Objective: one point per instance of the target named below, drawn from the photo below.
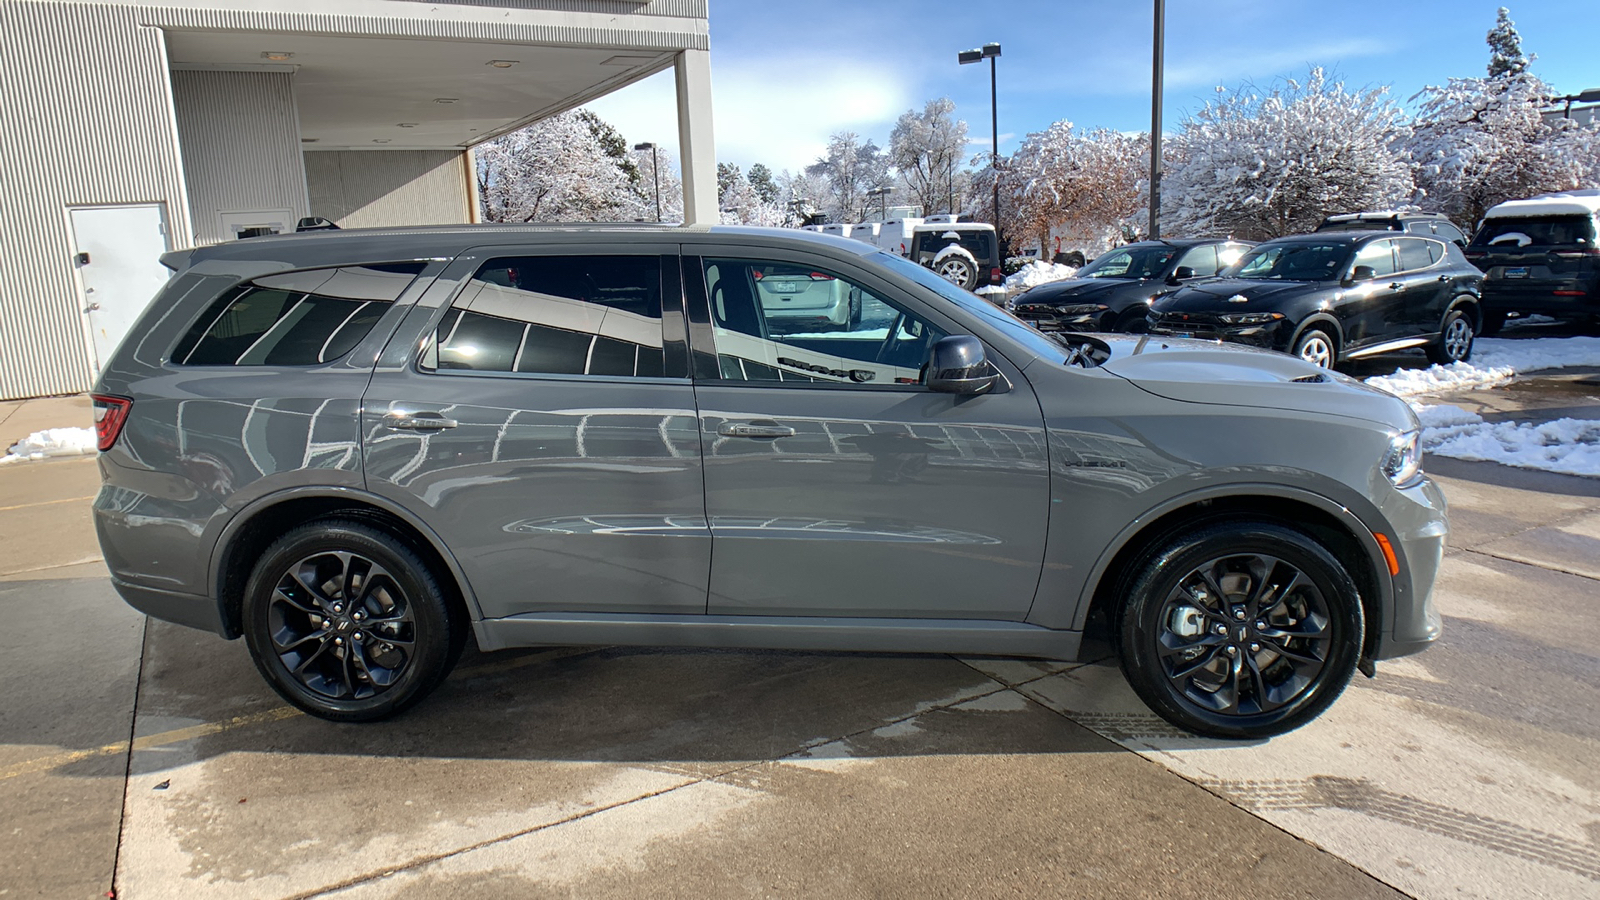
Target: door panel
(1369, 309)
(836, 488)
(567, 480)
(118, 256)
(1426, 293)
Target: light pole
(883, 202)
(1592, 95)
(655, 172)
(1156, 55)
(991, 52)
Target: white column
(695, 141)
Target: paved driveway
(1466, 771)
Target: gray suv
(357, 448)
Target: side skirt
(781, 633)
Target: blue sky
(787, 74)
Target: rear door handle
(421, 421)
(756, 429)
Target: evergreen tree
(612, 143)
(760, 178)
(728, 176)
(1505, 46)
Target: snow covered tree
(1261, 166)
(1479, 141)
(925, 148)
(741, 204)
(671, 186)
(553, 170)
(851, 169)
(728, 175)
(1505, 47)
(1080, 186)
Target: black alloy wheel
(1455, 340)
(1241, 630)
(1135, 320)
(347, 623)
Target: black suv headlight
(1402, 462)
(1255, 318)
(1081, 309)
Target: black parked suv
(1541, 256)
(1423, 223)
(1331, 297)
(1113, 293)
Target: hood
(1194, 371)
(1078, 290)
(1236, 295)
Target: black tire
(1492, 323)
(1318, 347)
(1277, 666)
(342, 660)
(1135, 320)
(1455, 339)
(958, 270)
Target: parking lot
(152, 760)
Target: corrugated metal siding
(85, 120)
(240, 137)
(687, 9)
(369, 188)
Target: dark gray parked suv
(356, 448)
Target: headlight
(1260, 318)
(1081, 309)
(1402, 463)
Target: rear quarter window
(305, 318)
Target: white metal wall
(85, 119)
(365, 188)
(239, 134)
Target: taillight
(1569, 293)
(821, 276)
(110, 414)
(996, 276)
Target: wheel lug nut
(339, 641)
(358, 635)
(1260, 625)
(1232, 650)
(1238, 614)
(1255, 648)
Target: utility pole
(655, 172)
(1155, 119)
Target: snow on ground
(1494, 361)
(52, 442)
(1036, 273)
(1567, 446)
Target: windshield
(1014, 328)
(1130, 262)
(1298, 261)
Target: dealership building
(132, 128)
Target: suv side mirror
(1359, 273)
(1179, 274)
(959, 365)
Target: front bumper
(1418, 525)
(1085, 317)
(1266, 335)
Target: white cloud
(776, 113)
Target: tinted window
(295, 319)
(979, 243)
(1203, 259)
(1297, 261)
(1130, 262)
(556, 315)
(1379, 255)
(782, 322)
(1414, 254)
(1542, 231)
(1449, 232)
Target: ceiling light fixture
(380, 140)
(503, 63)
(445, 99)
(407, 125)
(276, 55)
(309, 140)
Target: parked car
(966, 254)
(1331, 297)
(1541, 255)
(1423, 223)
(795, 299)
(1114, 292)
(356, 449)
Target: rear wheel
(1455, 340)
(347, 623)
(1241, 630)
(959, 271)
(1317, 347)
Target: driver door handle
(422, 421)
(1396, 285)
(761, 428)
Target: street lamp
(655, 172)
(883, 202)
(1592, 95)
(991, 52)
(1156, 54)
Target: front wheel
(1455, 340)
(1317, 347)
(347, 623)
(1135, 321)
(959, 271)
(1241, 630)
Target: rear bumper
(1509, 295)
(171, 606)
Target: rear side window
(305, 318)
(1414, 254)
(1540, 231)
(557, 315)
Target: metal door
(117, 252)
